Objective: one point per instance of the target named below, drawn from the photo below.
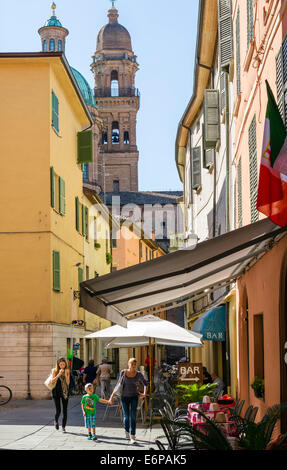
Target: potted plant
(109, 258)
(194, 393)
(97, 245)
(258, 387)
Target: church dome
(113, 35)
(84, 88)
(53, 21)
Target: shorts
(90, 421)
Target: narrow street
(28, 425)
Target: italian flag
(272, 187)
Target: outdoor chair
(141, 410)
(117, 407)
(253, 414)
(179, 413)
(177, 438)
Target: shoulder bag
(118, 390)
(48, 383)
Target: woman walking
(61, 375)
(130, 396)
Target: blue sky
(163, 36)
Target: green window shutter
(83, 220)
(250, 33)
(253, 169)
(85, 146)
(87, 223)
(77, 214)
(55, 112)
(239, 194)
(56, 270)
(80, 276)
(238, 66)
(52, 186)
(62, 199)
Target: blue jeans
(129, 405)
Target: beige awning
(179, 276)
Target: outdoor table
(228, 428)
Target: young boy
(89, 409)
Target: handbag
(48, 383)
(118, 390)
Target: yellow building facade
(42, 248)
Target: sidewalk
(29, 425)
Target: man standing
(105, 371)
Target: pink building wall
(262, 283)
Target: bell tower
(114, 67)
(53, 34)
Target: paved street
(28, 425)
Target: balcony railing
(116, 92)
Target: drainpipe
(28, 361)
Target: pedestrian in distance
(207, 379)
(130, 396)
(219, 391)
(90, 374)
(61, 375)
(104, 373)
(88, 403)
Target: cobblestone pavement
(28, 425)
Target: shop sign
(189, 372)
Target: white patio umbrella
(140, 331)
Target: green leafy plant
(109, 258)
(258, 387)
(97, 245)
(194, 393)
(256, 436)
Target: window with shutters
(196, 168)
(85, 146)
(77, 213)
(211, 118)
(85, 221)
(80, 277)
(281, 80)
(238, 66)
(55, 112)
(239, 193)
(62, 196)
(56, 271)
(225, 32)
(58, 196)
(250, 33)
(253, 172)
